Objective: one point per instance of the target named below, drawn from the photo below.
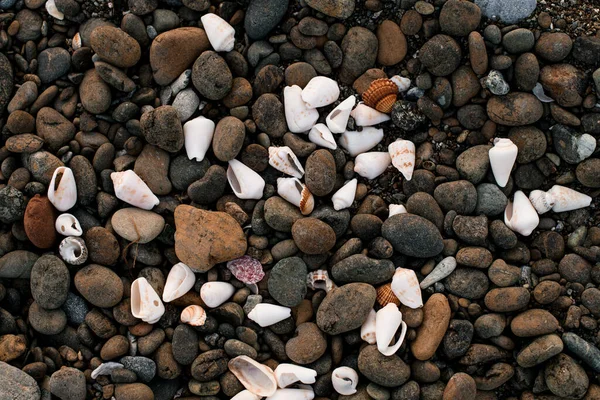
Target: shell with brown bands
(385, 295)
(381, 95)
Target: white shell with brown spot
(402, 153)
(366, 116)
(337, 119)
(541, 201)
(368, 330)
(406, 287)
(130, 188)
(299, 117)
(62, 191)
(566, 199)
(68, 225)
(283, 159)
(145, 303)
(321, 136)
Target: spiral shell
(385, 295)
(193, 315)
(381, 95)
(73, 250)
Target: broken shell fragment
(366, 116)
(68, 225)
(265, 314)
(502, 158)
(319, 280)
(344, 197)
(53, 11)
(105, 369)
(442, 270)
(246, 395)
(406, 287)
(396, 209)
(198, 134)
(257, 378)
(402, 153)
(299, 117)
(520, 216)
(246, 269)
(337, 119)
(193, 315)
(381, 95)
(359, 142)
(145, 302)
(371, 165)
(320, 91)
(388, 321)
(321, 136)
(566, 199)
(292, 394)
(368, 330)
(401, 82)
(220, 34)
(294, 191)
(283, 159)
(62, 191)
(130, 188)
(541, 201)
(179, 281)
(73, 250)
(344, 380)
(286, 374)
(213, 294)
(244, 181)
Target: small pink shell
(246, 269)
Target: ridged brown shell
(386, 296)
(381, 95)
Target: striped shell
(381, 95)
(193, 315)
(385, 295)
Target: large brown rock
(515, 109)
(392, 43)
(564, 83)
(115, 46)
(436, 317)
(39, 222)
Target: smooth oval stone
(287, 281)
(540, 350)
(99, 285)
(137, 225)
(50, 282)
(385, 371)
(412, 235)
(346, 308)
(436, 317)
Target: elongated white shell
(220, 34)
(198, 134)
(68, 225)
(283, 159)
(294, 191)
(105, 369)
(321, 136)
(257, 378)
(52, 10)
(402, 153)
(371, 165)
(337, 119)
(344, 380)
(62, 191)
(402, 82)
(286, 374)
(320, 91)
(265, 314)
(368, 330)
(292, 394)
(388, 321)
(405, 286)
(193, 315)
(72, 249)
(245, 182)
(213, 294)
(300, 118)
(133, 190)
(360, 142)
(366, 116)
(145, 303)
(344, 197)
(246, 395)
(179, 281)
(396, 209)
(541, 201)
(442, 270)
(520, 216)
(566, 199)
(502, 158)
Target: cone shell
(568, 199)
(406, 287)
(388, 322)
(541, 201)
(381, 95)
(145, 303)
(368, 330)
(283, 159)
(193, 315)
(520, 215)
(179, 281)
(294, 191)
(62, 191)
(385, 295)
(257, 378)
(402, 153)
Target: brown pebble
(39, 222)
(460, 386)
(436, 317)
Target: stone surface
(412, 235)
(17, 384)
(345, 308)
(436, 317)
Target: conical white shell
(402, 153)
(368, 330)
(360, 142)
(133, 190)
(337, 120)
(300, 118)
(294, 191)
(179, 281)
(193, 315)
(213, 294)
(286, 374)
(366, 116)
(52, 10)
(265, 314)
(145, 303)
(442, 270)
(566, 199)
(68, 225)
(321, 136)
(62, 191)
(405, 286)
(198, 134)
(72, 249)
(244, 181)
(283, 159)
(257, 378)
(520, 216)
(502, 158)
(344, 380)
(371, 165)
(396, 209)
(292, 394)
(541, 201)
(344, 197)
(220, 34)
(402, 82)
(246, 395)
(320, 91)
(388, 321)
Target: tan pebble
(436, 317)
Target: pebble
(94, 93)
(392, 43)
(262, 16)
(587, 173)
(527, 71)
(102, 245)
(211, 76)
(507, 11)
(530, 141)
(507, 299)
(460, 196)
(17, 384)
(359, 47)
(137, 225)
(13, 204)
(308, 345)
(553, 47)
(287, 281)
(38, 222)
(515, 109)
(385, 371)
(313, 236)
(440, 55)
(99, 285)
(53, 63)
(565, 377)
(320, 173)
(582, 349)
(490, 200)
(68, 384)
(115, 46)
(12, 347)
(585, 49)
(144, 367)
(460, 386)
(564, 83)
(467, 282)
(162, 127)
(360, 268)
(133, 391)
(269, 115)
(54, 128)
(404, 231)
(209, 365)
(228, 138)
(345, 308)
(30, 25)
(473, 163)
(540, 350)
(185, 348)
(534, 322)
(46, 322)
(341, 9)
(571, 146)
(152, 166)
(457, 338)
(459, 18)
(280, 215)
(24, 97)
(436, 317)
(49, 281)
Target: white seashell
(344, 380)
(257, 378)
(402, 153)
(300, 118)
(133, 190)
(244, 181)
(213, 294)
(246, 395)
(193, 315)
(321, 135)
(344, 197)
(145, 302)
(62, 191)
(366, 116)
(442, 270)
(220, 34)
(105, 369)
(52, 10)
(371, 165)
(68, 225)
(396, 209)
(320, 91)
(283, 159)
(360, 142)
(319, 280)
(181, 83)
(179, 281)
(72, 249)
(265, 314)
(402, 82)
(541, 201)
(502, 158)
(388, 321)
(292, 394)
(405, 286)
(294, 191)
(520, 216)
(566, 199)
(286, 374)
(337, 120)
(538, 91)
(76, 43)
(368, 330)
(198, 134)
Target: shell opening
(57, 180)
(509, 210)
(234, 182)
(293, 164)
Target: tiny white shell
(193, 315)
(244, 181)
(68, 225)
(265, 314)
(388, 321)
(53, 11)
(130, 188)
(442, 270)
(402, 153)
(337, 119)
(520, 216)
(371, 165)
(220, 34)
(405, 286)
(402, 82)
(213, 294)
(319, 280)
(179, 281)
(566, 199)
(246, 395)
(502, 158)
(294, 191)
(320, 91)
(366, 116)
(198, 134)
(286, 374)
(344, 380)
(257, 378)
(541, 201)
(76, 43)
(396, 209)
(344, 197)
(300, 118)
(145, 303)
(283, 159)
(360, 142)
(368, 330)
(292, 394)
(62, 191)
(72, 249)
(321, 136)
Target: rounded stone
(211, 76)
(313, 236)
(467, 282)
(308, 344)
(385, 371)
(68, 384)
(102, 245)
(99, 285)
(50, 282)
(228, 138)
(346, 308)
(440, 55)
(459, 17)
(534, 322)
(46, 322)
(320, 176)
(507, 299)
(115, 46)
(287, 281)
(515, 109)
(412, 235)
(137, 225)
(38, 222)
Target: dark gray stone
(360, 268)
(262, 16)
